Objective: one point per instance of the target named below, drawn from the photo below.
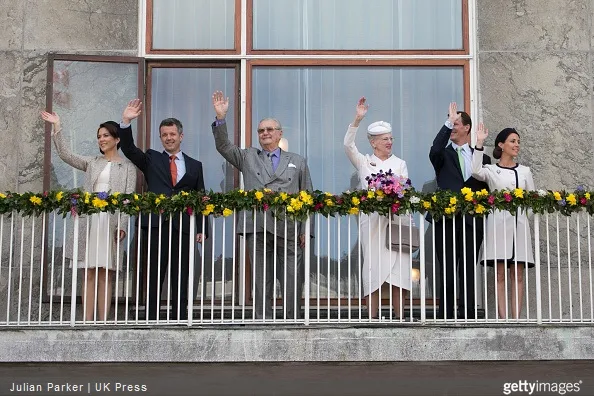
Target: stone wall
(535, 74)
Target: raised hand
(50, 117)
(132, 110)
(453, 112)
(481, 134)
(361, 108)
(220, 104)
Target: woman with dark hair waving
(108, 172)
(507, 243)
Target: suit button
(258, 173)
(289, 179)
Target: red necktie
(173, 169)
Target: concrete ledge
(283, 344)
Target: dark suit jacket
(155, 167)
(447, 167)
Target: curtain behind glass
(357, 25)
(193, 24)
(315, 107)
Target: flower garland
(299, 205)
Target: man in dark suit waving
(168, 172)
(453, 171)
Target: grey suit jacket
(291, 176)
(122, 178)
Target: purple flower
(580, 188)
(73, 201)
(562, 202)
(102, 195)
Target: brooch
(372, 163)
(498, 171)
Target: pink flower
(189, 211)
(491, 199)
(45, 193)
(583, 200)
(318, 206)
(265, 207)
(363, 198)
(73, 211)
(205, 198)
(395, 207)
(507, 197)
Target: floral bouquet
(388, 183)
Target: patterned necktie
(462, 162)
(173, 169)
(271, 156)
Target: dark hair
(112, 129)
(501, 138)
(172, 122)
(465, 118)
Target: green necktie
(462, 162)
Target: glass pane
(85, 94)
(193, 24)
(316, 105)
(357, 25)
(185, 93)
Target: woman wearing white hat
(380, 264)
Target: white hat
(379, 128)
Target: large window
(304, 62)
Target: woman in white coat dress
(507, 239)
(108, 172)
(380, 264)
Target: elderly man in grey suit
(278, 170)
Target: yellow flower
(479, 209)
(448, 210)
(380, 193)
(468, 197)
(453, 201)
(99, 203)
(434, 198)
(354, 210)
(59, 196)
(185, 193)
(370, 194)
(305, 197)
(557, 196)
(157, 200)
(136, 198)
(227, 212)
(87, 197)
(328, 194)
(2, 195)
(208, 210)
(587, 195)
(571, 199)
(329, 202)
(355, 201)
(267, 190)
(35, 200)
(481, 193)
(426, 204)
(519, 193)
(114, 201)
(241, 191)
(284, 196)
(296, 204)
(290, 209)
(466, 191)
(137, 207)
(259, 195)
(116, 194)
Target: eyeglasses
(268, 129)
